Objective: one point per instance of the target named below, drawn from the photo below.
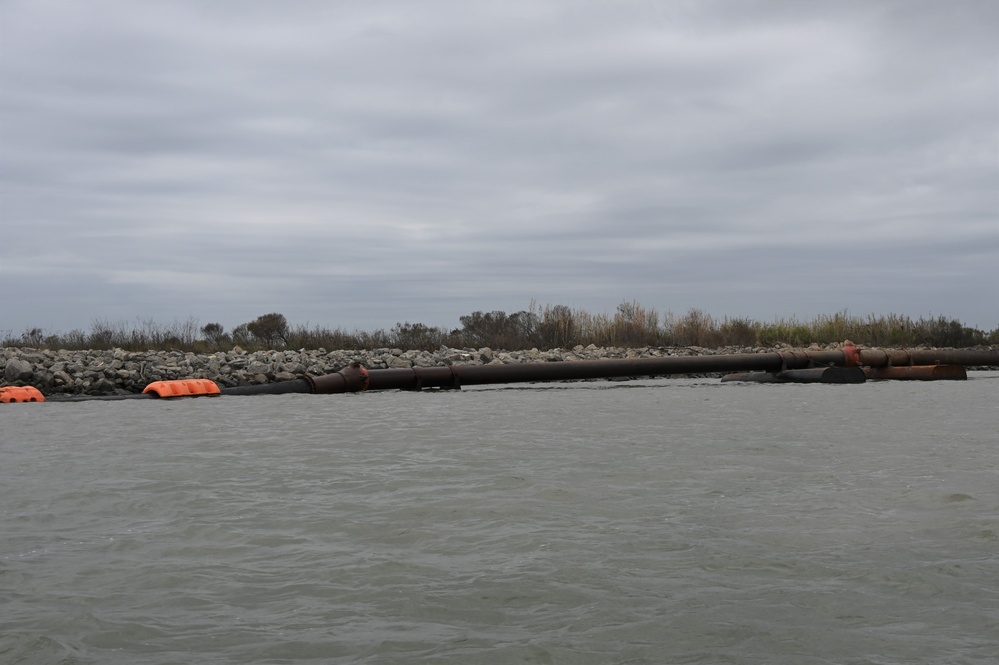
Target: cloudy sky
(357, 164)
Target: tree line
(547, 327)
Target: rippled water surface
(670, 521)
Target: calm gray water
(671, 521)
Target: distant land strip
(541, 327)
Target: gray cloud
(362, 164)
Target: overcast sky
(357, 164)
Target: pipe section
(896, 358)
(355, 378)
(455, 376)
(810, 375)
(918, 373)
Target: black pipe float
(917, 373)
(810, 375)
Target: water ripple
(674, 521)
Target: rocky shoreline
(120, 372)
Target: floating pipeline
(788, 366)
(917, 373)
(11, 394)
(846, 365)
(183, 388)
(810, 375)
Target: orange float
(9, 394)
(183, 388)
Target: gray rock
(103, 387)
(397, 361)
(17, 370)
(257, 367)
(62, 380)
(424, 361)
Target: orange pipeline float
(11, 394)
(183, 388)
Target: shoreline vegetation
(539, 327)
(118, 359)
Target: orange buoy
(9, 394)
(183, 388)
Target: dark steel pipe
(964, 357)
(349, 379)
(356, 378)
(810, 375)
(918, 373)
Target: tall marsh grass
(543, 327)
